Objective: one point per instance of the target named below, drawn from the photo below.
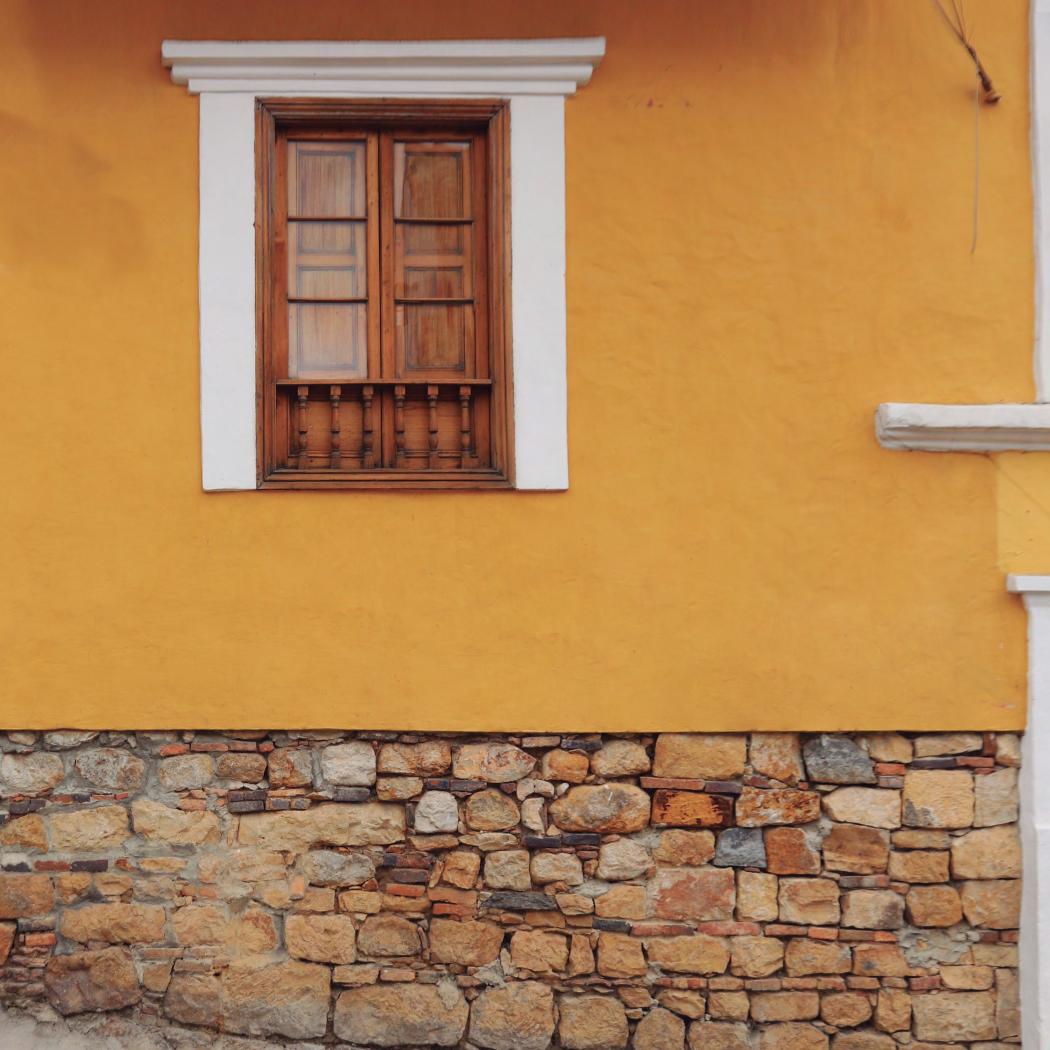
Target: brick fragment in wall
(679, 890)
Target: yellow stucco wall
(769, 216)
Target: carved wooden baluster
(464, 425)
(304, 395)
(432, 425)
(335, 460)
(399, 425)
(367, 455)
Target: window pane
(433, 262)
(432, 180)
(435, 336)
(327, 339)
(327, 260)
(326, 179)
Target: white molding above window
(964, 428)
(535, 75)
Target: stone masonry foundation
(763, 891)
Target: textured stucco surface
(769, 228)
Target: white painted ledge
(419, 67)
(964, 428)
(535, 76)
(1035, 816)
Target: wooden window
(384, 346)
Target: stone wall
(725, 892)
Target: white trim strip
(964, 428)
(427, 67)
(1035, 817)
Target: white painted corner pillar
(1035, 817)
(536, 76)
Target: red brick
(167, 750)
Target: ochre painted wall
(769, 215)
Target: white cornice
(1027, 583)
(964, 428)
(389, 67)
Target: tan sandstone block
(856, 849)
(321, 938)
(468, 943)
(756, 897)
(515, 1016)
(697, 953)
(114, 923)
(777, 756)
(936, 906)
(395, 1015)
(994, 903)
(539, 951)
(620, 955)
(680, 848)
(954, 1016)
(705, 756)
(756, 956)
(919, 865)
(592, 1022)
(938, 798)
(619, 808)
(89, 830)
(812, 902)
(804, 957)
(988, 853)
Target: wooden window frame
(454, 115)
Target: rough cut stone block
(623, 859)
(873, 910)
(741, 848)
(427, 759)
(331, 824)
(619, 808)
(325, 867)
(994, 904)
(893, 1010)
(708, 757)
(517, 1016)
(495, 763)
(937, 906)
(703, 895)
(805, 958)
(539, 951)
(388, 936)
(112, 769)
(777, 756)
(696, 954)
(938, 798)
(185, 772)
(437, 811)
(996, 798)
(24, 833)
(246, 768)
(954, 1016)
(263, 997)
(506, 901)
(322, 938)
(396, 1015)
(788, 852)
(988, 853)
(755, 956)
(933, 744)
(680, 848)
(351, 763)
(919, 865)
(845, 1009)
(161, 823)
(114, 923)
(89, 830)
(837, 760)
(622, 902)
(659, 1030)
(719, 1035)
(620, 956)
(86, 982)
(620, 758)
(491, 810)
(570, 767)
(756, 897)
(758, 807)
(784, 1006)
(508, 870)
(888, 747)
(812, 902)
(592, 1022)
(468, 943)
(31, 774)
(855, 848)
(873, 807)
(557, 867)
(791, 1035)
(690, 809)
(194, 998)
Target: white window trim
(536, 76)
